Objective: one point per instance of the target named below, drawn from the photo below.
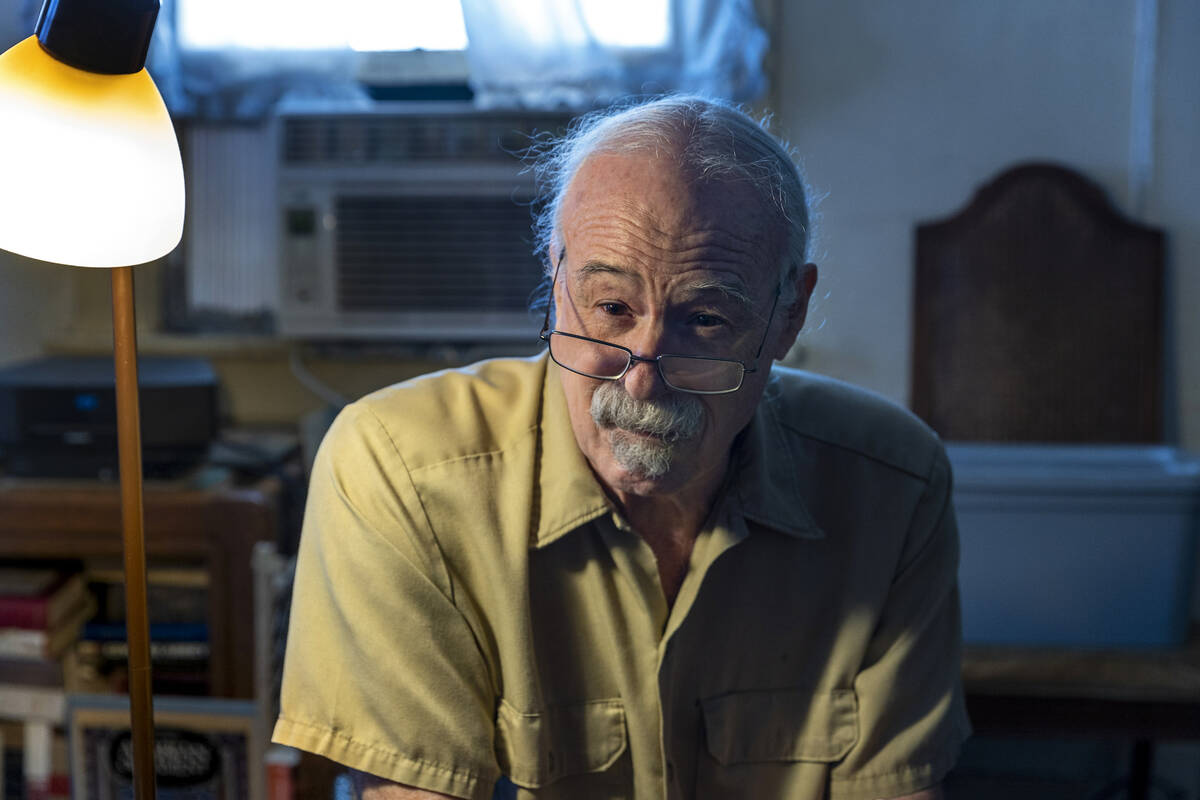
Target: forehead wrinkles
(636, 233)
(644, 213)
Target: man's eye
(613, 309)
(708, 320)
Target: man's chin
(642, 473)
(641, 485)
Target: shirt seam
(937, 522)
(857, 451)
(441, 555)
(394, 755)
(612, 702)
(483, 454)
(949, 749)
(440, 561)
(767, 515)
(930, 767)
(777, 421)
(903, 772)
(493, 675)
(572, 524)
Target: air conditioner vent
(407, 223)
(429, 254)
(396, 139)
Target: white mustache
(673, 419)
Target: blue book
(159, 632)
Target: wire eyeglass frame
(632, 358)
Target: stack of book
(43, 611)
(177, 599)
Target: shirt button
(671, 771)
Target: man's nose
(643, 381)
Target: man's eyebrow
(735, 290)
(591, 268)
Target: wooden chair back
(1038, 316)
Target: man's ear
(804, 280)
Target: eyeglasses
(605, 361)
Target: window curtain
(237, 85)
(522, 53)
(540, 53)
(242, 84)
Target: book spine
(23, 643)
(23, 612)
(159, 632)
(31, 671)
(43, 611)
(39, 737)
(32, 703)
(159, 651)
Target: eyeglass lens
(590, 358)
(599, 360)
(703, 375)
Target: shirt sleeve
(911, 713)
(382, 672)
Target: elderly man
(645, 564)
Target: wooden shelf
(1150, 693)
(213, 527)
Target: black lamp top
(110, 37)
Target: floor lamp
(90, 176)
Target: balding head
(710, 141)
(667, 283)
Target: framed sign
(204, 748)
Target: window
(233, 61)
(398, 25)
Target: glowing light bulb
(90, 172)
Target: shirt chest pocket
(536, 749)
(781, 725)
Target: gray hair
(716, 140)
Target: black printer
(58, 416)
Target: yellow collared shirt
(468, 605)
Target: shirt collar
(764, 478)
(568, 494)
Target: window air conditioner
(408, 223)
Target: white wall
(1174, 200)
(900, 110)
(35, 303)
(34, 298)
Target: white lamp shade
(90, 173)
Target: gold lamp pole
(90, 176)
